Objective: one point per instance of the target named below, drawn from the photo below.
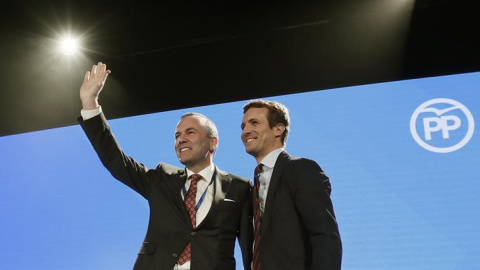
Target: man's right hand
(92, 85)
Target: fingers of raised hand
(93, 72)
(101, 67)
(87, 76)
(98, 71)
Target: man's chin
(250, 151)
(183, 159)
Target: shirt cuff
(87, 114)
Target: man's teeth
(249, 140)
(183, 149)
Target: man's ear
(213, 144)
(279, 129)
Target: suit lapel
(176, 188)
(283, 158)
(221, 184)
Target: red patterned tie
(256, 216)
(190, 203)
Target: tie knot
(195, 177)
(258, 170)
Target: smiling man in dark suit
(295, 225)
(196, 212)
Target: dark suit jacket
(299, 228)
(169, 228)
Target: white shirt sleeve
(87, 114)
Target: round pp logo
(442, 125)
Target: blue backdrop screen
(403, 159)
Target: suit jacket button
(193, 233)
(175, 255)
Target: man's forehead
(254, 113)
(189, 122)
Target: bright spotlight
(69, 46)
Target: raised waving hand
(92, 85)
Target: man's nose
(246, 129)
(180, 139)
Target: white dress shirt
(204, 185)
(266, 175)
(87, 114)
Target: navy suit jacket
(299, 228)
(169, 228)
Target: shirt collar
(270, 159)
(206, 173)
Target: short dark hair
(277, 114)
